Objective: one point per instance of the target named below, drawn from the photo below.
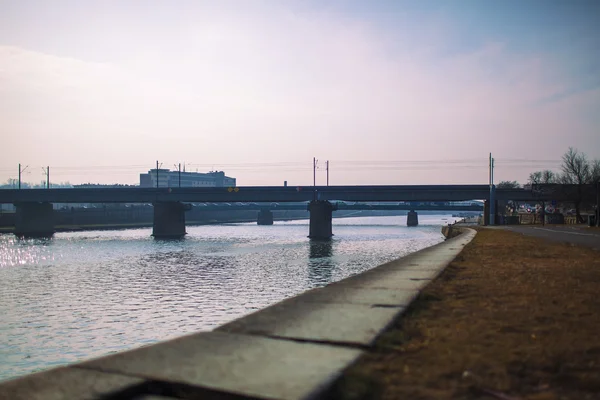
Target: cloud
(282, 84)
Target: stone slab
(66, 383)
(340, 323)
(237, 364)
(361, 295)
(412, 274)
(390, 279)
(379, 280)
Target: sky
(390, 92)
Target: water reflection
(320, 248)
(168, 239)
(320, 264)
(34, 236)
(33, 240)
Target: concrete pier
(265, 217)
(486, 212)
(34, 220)
(320, 219)
(169, 220)
(412, 218)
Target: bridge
(265, 211)
(340, 206)
(34, 216)
(262, 194)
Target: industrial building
(168, 178)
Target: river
(86, 294)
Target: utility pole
(314, 178)
(314, 171)
(47, 173)
(179, 175)
(492, 199)
(21, 170)
(157, 174)
(327, 169)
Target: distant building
(168, 178)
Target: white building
(168, 178)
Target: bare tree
(543, 177)
(508, 185)
(535, 178)
(549, 176)
(577, 171)
(576, 167)
(595, 172)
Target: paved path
(570, 234)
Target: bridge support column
(496, 213)
(486, 212)
(412, 218)
(265, 217)
(169, 220)
(34, 220)
(320, 219)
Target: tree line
(14, 184)
(576, 169)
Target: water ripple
(86, 294)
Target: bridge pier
(320, 219)
(496, 213)
(169, 220)
(412, 218)
(34, 220)
(486, 212)
(265, 217)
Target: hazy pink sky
(389, 92)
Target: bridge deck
(267, 194)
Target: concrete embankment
(294, 349)
(450, 231)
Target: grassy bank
(512, 317)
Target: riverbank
(512, 317)
(293, 349)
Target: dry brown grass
(512, 316)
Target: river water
(86, 294)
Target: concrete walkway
(579, 235)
